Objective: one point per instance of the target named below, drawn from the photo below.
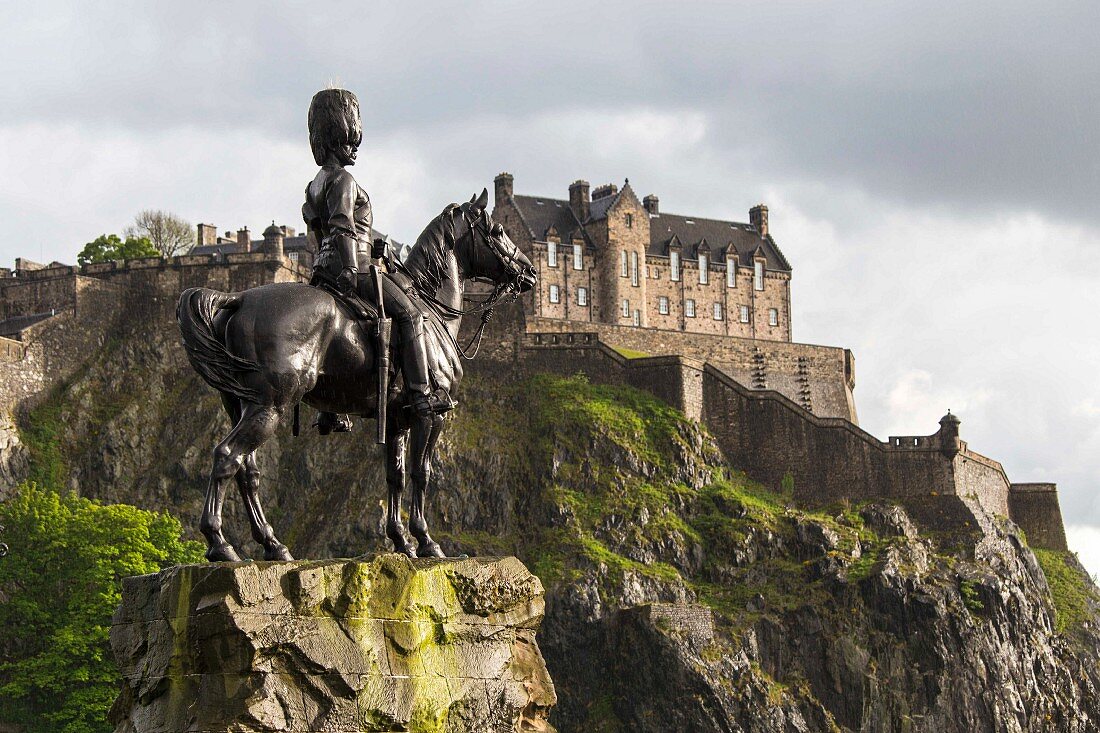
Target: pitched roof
(692, 230)
(541, 213)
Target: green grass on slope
(639, 485)
(1069, 589)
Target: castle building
(606, 257)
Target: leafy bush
(59, 586)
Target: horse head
(485, 251)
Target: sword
(382, 346)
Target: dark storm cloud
(984, 105)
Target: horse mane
(427, 260)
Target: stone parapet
(380, 643)
(1034, 508)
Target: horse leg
(424, 435)
(248, 484)
(255, 425)
(397, 441)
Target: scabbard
(382, 331)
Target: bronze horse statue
(268, 348)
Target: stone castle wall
(823, 460)
(819, 379)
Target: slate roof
(692, 230)
(540, 213)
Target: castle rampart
(825, 460)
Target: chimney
(607, 189)
(758, 217)
(503, 188)
(208, 234)
(244, 240)
(650, 204)
(578, 199)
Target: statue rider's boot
(331, 422)
(422, 398)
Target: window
(629, 221)
(744, 314)
(773, 317)
(703, 268)
(731, 273)
(582, 296)
(578, 257)
(622, 263)
(758, 275)
(634, 269)
(689, 308)
(293, 256)
(552, 254)
(637, 317)
(555, 294)
(655, 272)
(626, 308)
(674, 265)
(717, 311)
(662, 305)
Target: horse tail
(207, 353)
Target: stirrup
(436, 402)
(331, 422)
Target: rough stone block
(370, 644)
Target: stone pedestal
(371, 644)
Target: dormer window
(703, 268)
(552, 254)
(578, 257)
(731, 272)
(674, 265)
(758, 275)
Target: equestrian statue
(329, 344)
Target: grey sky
(932, 168)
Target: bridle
(500, 290)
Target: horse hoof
(277, 552)
(222, 553)
(430, 548)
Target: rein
(485, 307)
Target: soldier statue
(338, 212)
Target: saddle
(361, 310)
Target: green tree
(108, 247)
(59, 586)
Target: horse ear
(473, 198)
(483, 199)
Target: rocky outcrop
(379, 644)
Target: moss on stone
(1070, 590)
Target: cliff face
(680, 595)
